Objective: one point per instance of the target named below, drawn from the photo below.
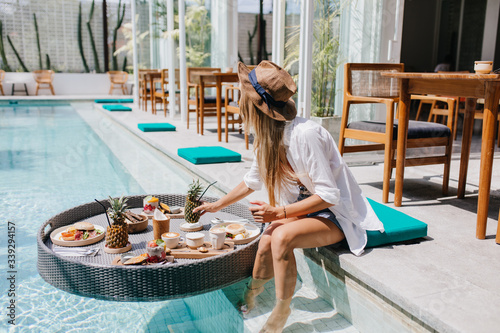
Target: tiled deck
(449, 282)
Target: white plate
(253, 232)
(239, 221)
(55, 236)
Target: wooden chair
(2, 76)
(144, 88)
(363, 84)
(232, 107)
(43, 79)
(118, 80)
(161, 93)
(209, 103)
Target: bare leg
(300, 233)
(262, 270)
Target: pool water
(55, 157)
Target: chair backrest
(43, 75)
(164, 76)
(2, 75)
(365, 79)
(118, 76)
(190, 77)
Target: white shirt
(315, 159)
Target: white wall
(64, 84)
(490, 30)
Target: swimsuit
(325, 213)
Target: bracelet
(284, 210)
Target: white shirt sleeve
(316, 155)
(252, 177)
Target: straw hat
(270, 88)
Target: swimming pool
(55, 157)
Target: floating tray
(118, 262)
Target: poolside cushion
(398, 226)
(116, 107)
(206, 155)
(111, 100)
(156, 127)
(416, 129)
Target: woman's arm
(236, 194)
(263, 212)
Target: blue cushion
(206, 155)
(398, 226)
(156, 127)
(210, 99)
(119, 100)
(416, 129)
(116, 107)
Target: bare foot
(277, 320)
(247, 303)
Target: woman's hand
(210, 207)
(263, 212)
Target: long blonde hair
(270, 152)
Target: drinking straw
(105, 212)
(206, 190)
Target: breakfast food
(156, 250)
(134, 218)
(80, 231)
(203, 249)
(135, 260)
(165, 209)
(236, 231)
(150, 203)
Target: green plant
(128, 47)
(17, 55)
(40, 66)
(198, 29)
(325, 54)
(80, 38)
(47, 61)
(2, 51)
(250, 39)
(119, 21)
(91, 36)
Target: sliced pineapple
(165, 208)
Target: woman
(313, 198)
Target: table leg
(470, 107)
(404, 117)
(219, 108)
(202, 105)
(487, 151)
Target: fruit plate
(55, 237)
(253, 232)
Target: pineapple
(117, 234)
(192, 202)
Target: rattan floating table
(96, 277)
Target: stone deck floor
(450, 281)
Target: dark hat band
(263, 93)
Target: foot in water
(277, 320)
(253, 289)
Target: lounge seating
(156, 127)
(109, 100)
(207, 155)
(43, 79)
(116, 107)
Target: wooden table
(207, 80)
(471, 86)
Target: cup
(160, 227)
(171, 239)
(195, 239)
(217, 238)
(483, 67)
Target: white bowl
(195, 239)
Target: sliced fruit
(166, 208)
(153, 199)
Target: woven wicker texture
(370, 83)
(96, 277)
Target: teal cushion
(110, 100)
(398, 226)
(156, 127)
(116, 107)
(206, 155)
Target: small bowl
(483, 67)
(138, 227)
